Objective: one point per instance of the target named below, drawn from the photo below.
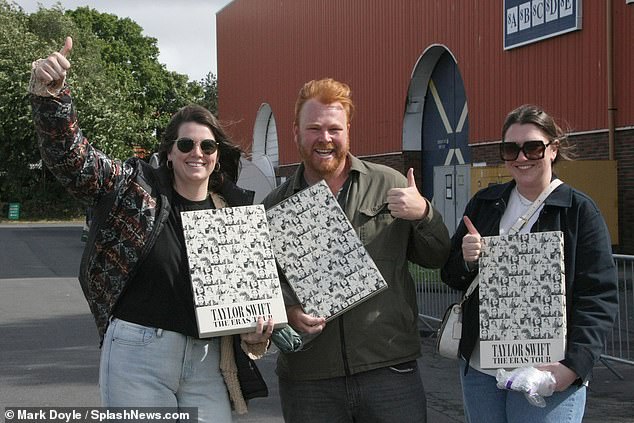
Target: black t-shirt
(160, 295)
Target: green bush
(62, 206)
(54, 204)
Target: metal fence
(433, 298)
(432, 295)
(620, 341)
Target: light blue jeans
(484, 402)
(148, 367)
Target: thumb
(470, 227)
(68, 46)
(411, 182)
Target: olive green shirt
(381, 331)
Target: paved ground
(49, 348)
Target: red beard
(322, 167)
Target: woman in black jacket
(532, 142)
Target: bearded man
(361, 366)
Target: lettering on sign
(530, 21)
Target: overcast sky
(185, 29)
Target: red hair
(326, 91)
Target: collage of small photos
(522, 287)
(302, 228)
(230, 256)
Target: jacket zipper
(344, 356)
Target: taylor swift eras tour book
(233, 272)
(522, 300)
(321, 255)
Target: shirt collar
(560, 197)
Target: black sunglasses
(533, 150)
(185, 145)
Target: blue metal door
(445, 129)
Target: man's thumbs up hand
(411, 182)
(407, 203)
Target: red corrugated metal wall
(268, 48)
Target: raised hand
(51, 71)
(407, 203)
(471, 242)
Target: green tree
(124, 96)
(147, 92)
(19, 155)
(209, 86)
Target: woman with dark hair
(134, 272)
(531, 143)
(229, 152)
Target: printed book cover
(233, 272)
(522, 300)
(321, 255)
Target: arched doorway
(258, 174)
(265, 135)
(436, 123)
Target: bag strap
(519, 225)
(533, 208)
(472, 287)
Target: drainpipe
(610, 72)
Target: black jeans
(389, 394)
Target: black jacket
(591, 278)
